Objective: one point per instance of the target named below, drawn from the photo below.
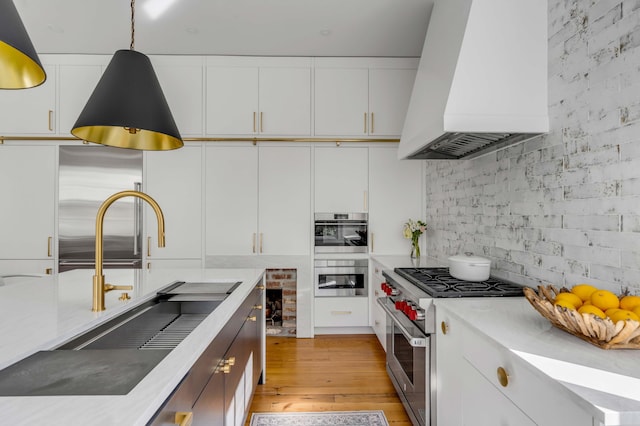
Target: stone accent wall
(285, 279)
(563, 208)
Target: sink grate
(175, 332)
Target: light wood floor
(327, 373)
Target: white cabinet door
(182, 84)
(448, 337)
(341, 102)
(395, 196)
(232, 100)
(341, 179)
(75, 86)
(285, 101)
(231, 200)
(27, 190)
(378, 315)
(389, 94)
(285, 200)
(484, 405)
(12, 271)
(30, 111)
(174, 180)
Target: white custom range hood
(482, 79)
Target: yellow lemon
(590, 309)
(583, 291)
(629, 302)
(604, 300)
(571, 298)
(611, 311)
(564, 303)
(622, 315)
(636, 310)
(586, 302)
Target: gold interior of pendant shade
(17, 70)
(122, 138)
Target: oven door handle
(415, 341)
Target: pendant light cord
(133, 21)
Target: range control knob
(383, 285)
(413, 314)
(400, 304)
(393, 291)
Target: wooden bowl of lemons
(597, 316)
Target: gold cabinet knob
(252, 318)
(124, 297)
(231, 360)
(444, 327)
(503, 377)
(183, 418)
(226, 369)
(258, 307)
(260, 287)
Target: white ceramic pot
(469, 268)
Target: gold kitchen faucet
(99, 286)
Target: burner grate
(438, 283)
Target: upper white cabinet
(181, 79)
(258, 200)
(258, 96)
(395, 188)
(174, 180)
(362, 97)
(30, 111)
(341, 179)
(27, 217)
(75, 86)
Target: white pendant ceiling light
(127, 109)
(20, 67)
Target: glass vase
(415, 248)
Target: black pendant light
(20, 67)
(127, 109)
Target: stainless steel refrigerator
(89, 174)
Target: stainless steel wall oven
(341, 233)
(341, 277)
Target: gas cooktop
(438, 283)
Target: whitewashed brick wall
(563, 208)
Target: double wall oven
(411, 334)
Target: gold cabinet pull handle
(254, 121)
(372, 131)
(444, 327)
(148, 246)
(49, 241)
(184, 418)
(252, 318)
(261, 242)
(341, 312)
(366, 200)
(260, 287)
(503, 377)
(253, 244)
(365, 123)
(261, 122)
(48, 271)
(51, 120)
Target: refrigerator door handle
(137, 221)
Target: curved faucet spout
(99, 287)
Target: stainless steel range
(411, 329)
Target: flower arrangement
(412, 230)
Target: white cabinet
(258, 200)
(27, 190)
(258, 96)
(12, 269)
(75, 86)
(30, 111)
(395, 195)
(174, 180)
(378, 315)
(341, 312)
(341, 179)
(362, 97)
(472, 390)
(182, 82)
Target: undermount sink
(112, 358)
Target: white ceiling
(230, 27)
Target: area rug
(325, 418)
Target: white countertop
(605, 382)
(41, 313)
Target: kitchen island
(42, 313)
(550, 377)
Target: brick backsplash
(562, 208)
